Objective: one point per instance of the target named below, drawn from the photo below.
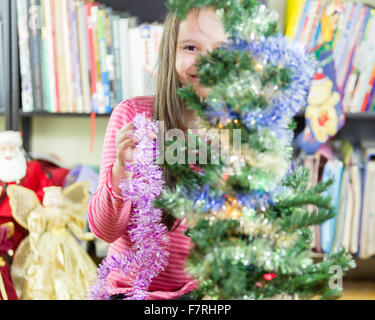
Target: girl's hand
(124, 152)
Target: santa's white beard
(13, 170)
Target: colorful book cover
(324, 115)
(34, 10)
(24, 57)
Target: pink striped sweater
(109, 214)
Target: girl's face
(202, 31)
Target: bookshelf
(145, 11)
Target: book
(137, 53)
(27, 97)
(60, 61)
(50, 58)
(355, 175)
(110, 55)
(367, 245)
(125, 24)
(346, 200)
(68, 68)
(92, 56)
(45, 66)
(74, 57)
(105, 100)
(332, 170)
(83, 56)
(117, 60)
(34, 25)
(341, 210)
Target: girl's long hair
(168, 107)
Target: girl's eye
(191, 48)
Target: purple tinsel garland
(148, 256)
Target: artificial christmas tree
(251, 225)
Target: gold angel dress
(50, 264)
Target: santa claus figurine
(16, 169)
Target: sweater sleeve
(108, 213)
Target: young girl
(181, 44)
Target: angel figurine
(49, 263)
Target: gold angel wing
(22, 201)
(76, 196)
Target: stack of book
(351, 29)
(352, 192)
(79, 56)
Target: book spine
(53, 52)
(125, 54)
(44, 58)
(67, 57)
(96, 88)
(110, 55)
(93, 70)
(51, 60)
(104, 105)
(35, 53)
(24, 57)
(62, 89)
(117, 60)
(73, 37)
(83, 56)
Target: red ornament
(225, 177)
(269, 276)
